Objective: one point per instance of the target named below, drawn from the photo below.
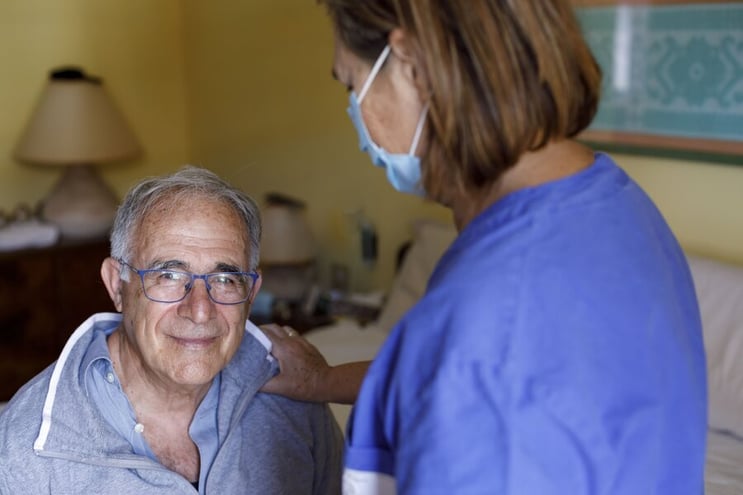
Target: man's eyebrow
(227, 267)
(183, 266)
(168, 265)
(334, 74)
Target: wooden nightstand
(293, 317)
(44, 295)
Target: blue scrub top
(558, 350)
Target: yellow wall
(135, 45)
(702, 202)
(244, 88)
(268, 116)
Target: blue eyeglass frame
(253, 275)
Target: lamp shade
(75, 122)
(76, 125)
(286, 238)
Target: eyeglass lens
(172, 286)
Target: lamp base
(288, 282)
(80, 204)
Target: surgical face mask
(403, 170)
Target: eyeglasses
(170, 286)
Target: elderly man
(164, 397)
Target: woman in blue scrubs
(558, 348)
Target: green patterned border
(671, 71)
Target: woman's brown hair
(502, 77)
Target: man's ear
(255, 289)
(256, 286)
(111, 275)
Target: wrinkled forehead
(193, 215)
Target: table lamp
(76, 125)
(287, 248)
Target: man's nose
(197, 305)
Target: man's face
(188, 342)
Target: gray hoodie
(54, 440)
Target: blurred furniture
(287, 249)
(299, 321)
(76, 125)
(44, 295)
(288, 266)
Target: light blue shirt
(103, 387)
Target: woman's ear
(399, 43)
(111, 275)
(403, 50)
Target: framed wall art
(673, 77)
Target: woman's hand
(303, 368)
(306, 375)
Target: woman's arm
(306, 375)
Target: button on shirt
(104, 389)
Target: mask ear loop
(375, 69)
(418, 131)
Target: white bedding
(343, 342)
(724, 468)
